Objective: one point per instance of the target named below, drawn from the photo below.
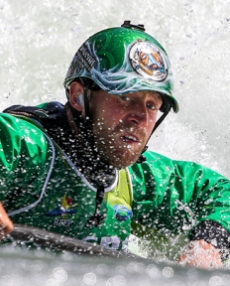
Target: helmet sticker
(147, 60)
(84, 58)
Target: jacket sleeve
(24, 153)
(181, 196)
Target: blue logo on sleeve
(122, 213)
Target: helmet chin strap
(88, 120)
(97, 217)
(159, 121)
(142, 158)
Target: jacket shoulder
(20, 137)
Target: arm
(183, 197)
(6, 225)
(201, 254)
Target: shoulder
(160, 161)
(21, 136)
(154, 161)
(11, 126)
(161, 168)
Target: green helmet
(124, 60)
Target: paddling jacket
(40, 186)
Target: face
(123, 124)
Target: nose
(138, 115)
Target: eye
(151, 106)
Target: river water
(37, 43)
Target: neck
(87, 160)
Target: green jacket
(41, 187)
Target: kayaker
(82, 169)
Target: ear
(75, 90)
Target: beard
(114, 149)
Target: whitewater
(37, 43)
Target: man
(82, 169)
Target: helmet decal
(148, 61)
(84, 58)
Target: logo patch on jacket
(65, 209)
(122, 213)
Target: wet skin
(123, 124)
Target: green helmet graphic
(124, 60)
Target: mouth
(130, 139)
